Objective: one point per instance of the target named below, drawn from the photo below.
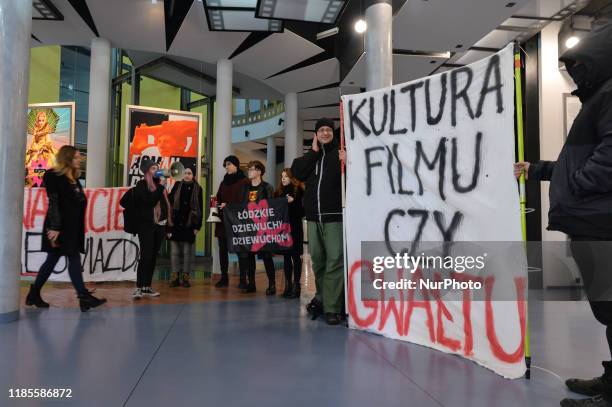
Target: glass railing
(252, 114)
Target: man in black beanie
(320, 170)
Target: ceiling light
(327, 33)
(361, 26)
(153, 1)
(572, 41)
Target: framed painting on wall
(49, 127)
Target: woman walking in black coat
(293, 190)
(64, 228)
(187, 207)
(152, 207)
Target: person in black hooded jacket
(320, 170)
(581, 191)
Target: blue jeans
(74, 271)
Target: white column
(16, 23)
(99, 113)
(299, 142)
(222, 143)
(291, 128)
(378, 45)
(270, 175)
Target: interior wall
(558, 267)
(154, 93)
(44, 74)
(245, 155)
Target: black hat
(232, 159)
(146, 164)
(324, 122)
(191, 167)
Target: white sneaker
(137, 294)
(149, 292)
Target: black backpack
(128, 203)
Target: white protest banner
(431, 161)
(110, 253)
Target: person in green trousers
(320, 170)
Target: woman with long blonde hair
(64, 228)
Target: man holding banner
(320, 170)
(581, 192)
(254, 192)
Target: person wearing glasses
(319, 169)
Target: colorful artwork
(49, 127)
(164, 136)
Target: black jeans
(223, 256)
(293, 266)
(74, 271)
(150, 238)
(594, 259)
(247, 263)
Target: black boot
(34, 298)
(250, 288)
(271, 290)
(288, 289)
(591, 387)
(87, 301)
(314, 308)
(186, 280)
(223, 282)
(597, 401)
(297, 291)
(332, 318)
(243, 280)
(175, 280)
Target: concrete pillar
(222, 143)
(291, 128)
(270, 175)
(16, 23)
(98, 136)
(378, 44)
(299, 142)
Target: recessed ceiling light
(572, 41)
(459, 46)
(510, 5)
(361, 26)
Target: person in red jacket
(230, 191)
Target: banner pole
(343, 187)
(522, 193)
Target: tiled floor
(263, 351)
